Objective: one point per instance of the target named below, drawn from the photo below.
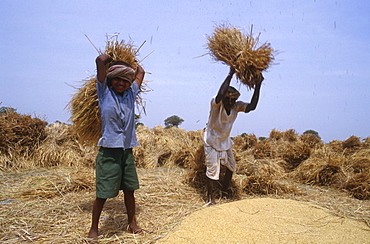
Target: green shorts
(115, 170)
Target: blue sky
(320, 79)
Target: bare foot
(93, 234)
(134, 229)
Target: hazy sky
(320, 79)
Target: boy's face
(120, 85)
(228, 102)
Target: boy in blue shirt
(117, 89)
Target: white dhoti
(214, 160)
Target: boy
(217, 141)
(117, 89)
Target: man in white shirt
(217, 141)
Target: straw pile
(321, 171)
(169, 147)
(358, 167)
(311, 140)
(265, 178)
(245, 141)
(62, 147)
(351, 145)
(84, 104)
(296, 153)
(55, 184)
(230, 46)
(20, 133)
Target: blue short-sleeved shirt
(117, 116)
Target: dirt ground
(267, 220)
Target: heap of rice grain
(84, 104)
(230, 46)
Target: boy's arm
(139, 75)
(256, 94)
(224, 86)
(101, 61)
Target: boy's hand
(104, 58)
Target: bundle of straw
(121, 51)
(85, 112)
(84, 104)
(230, 46)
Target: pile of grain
(265, 220)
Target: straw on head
(84, 104)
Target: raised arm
(139, 75)
(101, 61)
(256, 94)
(224, 86)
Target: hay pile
(84, 107)
(271, 166)
(169, 147)
(20, 132)
(62, 147)
(59, 146)
(55, 184)
(230, 46)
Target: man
(117, 89)
(217, 141)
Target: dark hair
(232, 91)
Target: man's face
(228, 102)
(120, 85)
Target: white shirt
(218, 128)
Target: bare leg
(211, 200)
(130, 208)
(227, 180)
(97, 209)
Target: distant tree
(312, 132)
(173, 120)
(4, 110)
(58, 122)
(261, 138)
(137, 120)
